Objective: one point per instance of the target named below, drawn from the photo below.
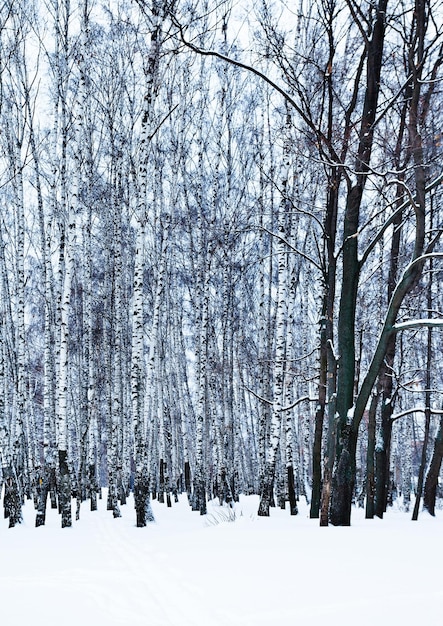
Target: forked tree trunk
(344, 480)
(344, 475)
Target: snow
(350, 415)
(188, 570)
(419, 323)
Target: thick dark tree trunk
(318, 431)
(199, 496)
(314, 511)
(370, 465)
(422, 468)
(325, 495)
(326, 389)
(42, 496)
(93, 487)
(331, 438)
(64, 489)
(431, 483)
(382, 462)
(267, 495)
(161, 486)
(188, 480)
(226, 493)
(291, 491)
(344, 468)
(142, 502)
(53, 487)
(421, 471)
(12, 501)
(428, 397)
(343, 481)
(385, 383)
(121, 489)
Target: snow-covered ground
(188, 570)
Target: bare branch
(298, 401)
(416, 410)
(160, 124)
(291, 247)
(253, 70)
(435, 183)
(265, 400)
(285, 408)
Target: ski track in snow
(153, 588)
(182, 571)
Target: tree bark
(431, 483)
(370, 466)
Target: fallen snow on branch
(419, 323)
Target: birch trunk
(17, 474)
(141, 480)
(155, 379)
(199, 498)
(279, 374)
(64, 488)
(116, 412)
(151, 70)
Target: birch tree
(151, 70)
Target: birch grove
(220, 260)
